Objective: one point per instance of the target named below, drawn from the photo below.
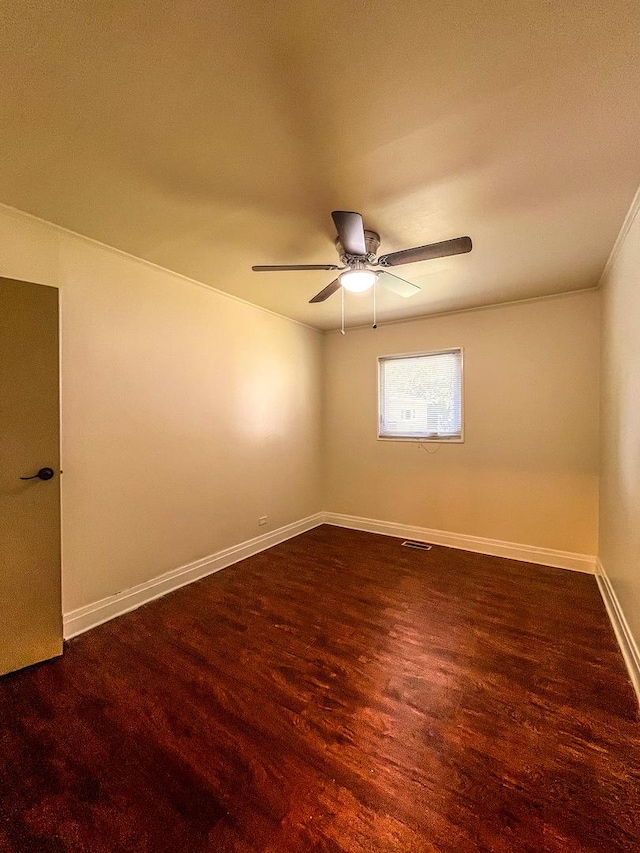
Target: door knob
(43, 474)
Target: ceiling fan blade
(397, 285)
(350, 230)
(285, 267)
(425, 253)
(327, 292)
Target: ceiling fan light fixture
(357, 281)
(357, 250)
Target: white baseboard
(84, 618)
(493, 547)
(625, 638)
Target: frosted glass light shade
(358, 280)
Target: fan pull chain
(375, 321)
(342, 295)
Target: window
(420, 396)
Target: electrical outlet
(262, 520)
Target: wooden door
(30, 588)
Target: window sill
(422, 440)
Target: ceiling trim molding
(624, 230)
(544, 298)
(14, 211)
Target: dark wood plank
(336, 693)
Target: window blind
(420, 396)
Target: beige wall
(528, 470)
(620, 416)
(186, 414)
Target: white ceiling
(207, 137)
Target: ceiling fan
(360, 270)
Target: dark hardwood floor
(336, 693)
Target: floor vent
(420, 546)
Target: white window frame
(422, 439)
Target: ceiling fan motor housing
(371, 241)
